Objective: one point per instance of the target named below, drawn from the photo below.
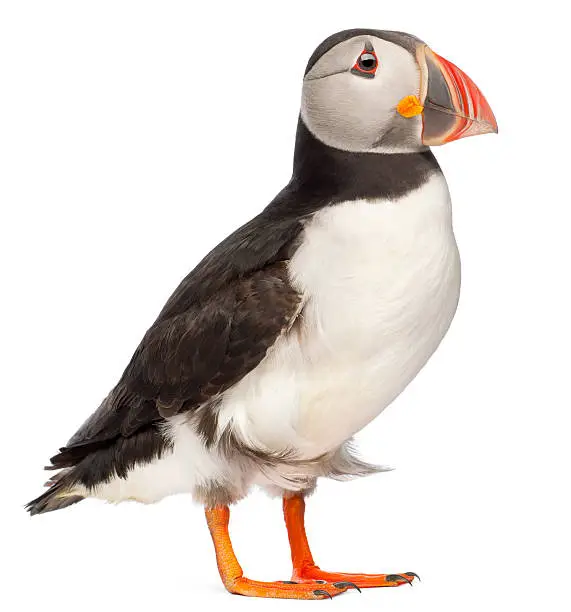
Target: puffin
(301, 326)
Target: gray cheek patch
(401, 131)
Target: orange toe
(362, 581)
(285, 590)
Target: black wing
(190, 358)
(186, 360)
(216, 327)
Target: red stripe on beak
(454, 106)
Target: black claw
(288, 582)
(321, 582)
(397, 577)
(342, 585)
(414, 575)
(320, 592)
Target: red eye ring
(366, 64)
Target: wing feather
(192, 357)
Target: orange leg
(304, 567)
(233, 577)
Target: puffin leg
(304, 567)
(232, 575)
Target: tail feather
(60, 494)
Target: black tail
(59, 495)
(124, 431)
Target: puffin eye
(366, 64)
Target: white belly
(380, 281)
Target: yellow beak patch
(410, 106)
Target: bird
(304, 324)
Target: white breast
(380, 281)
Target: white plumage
(380, 281)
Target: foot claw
(320, 592)
(321, 582)
(397, 577)
(413, 575)
(343, 585)
(288, 582)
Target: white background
(135, 136)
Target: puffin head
(387, 92)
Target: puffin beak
(453, 106)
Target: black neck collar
(323, 175)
